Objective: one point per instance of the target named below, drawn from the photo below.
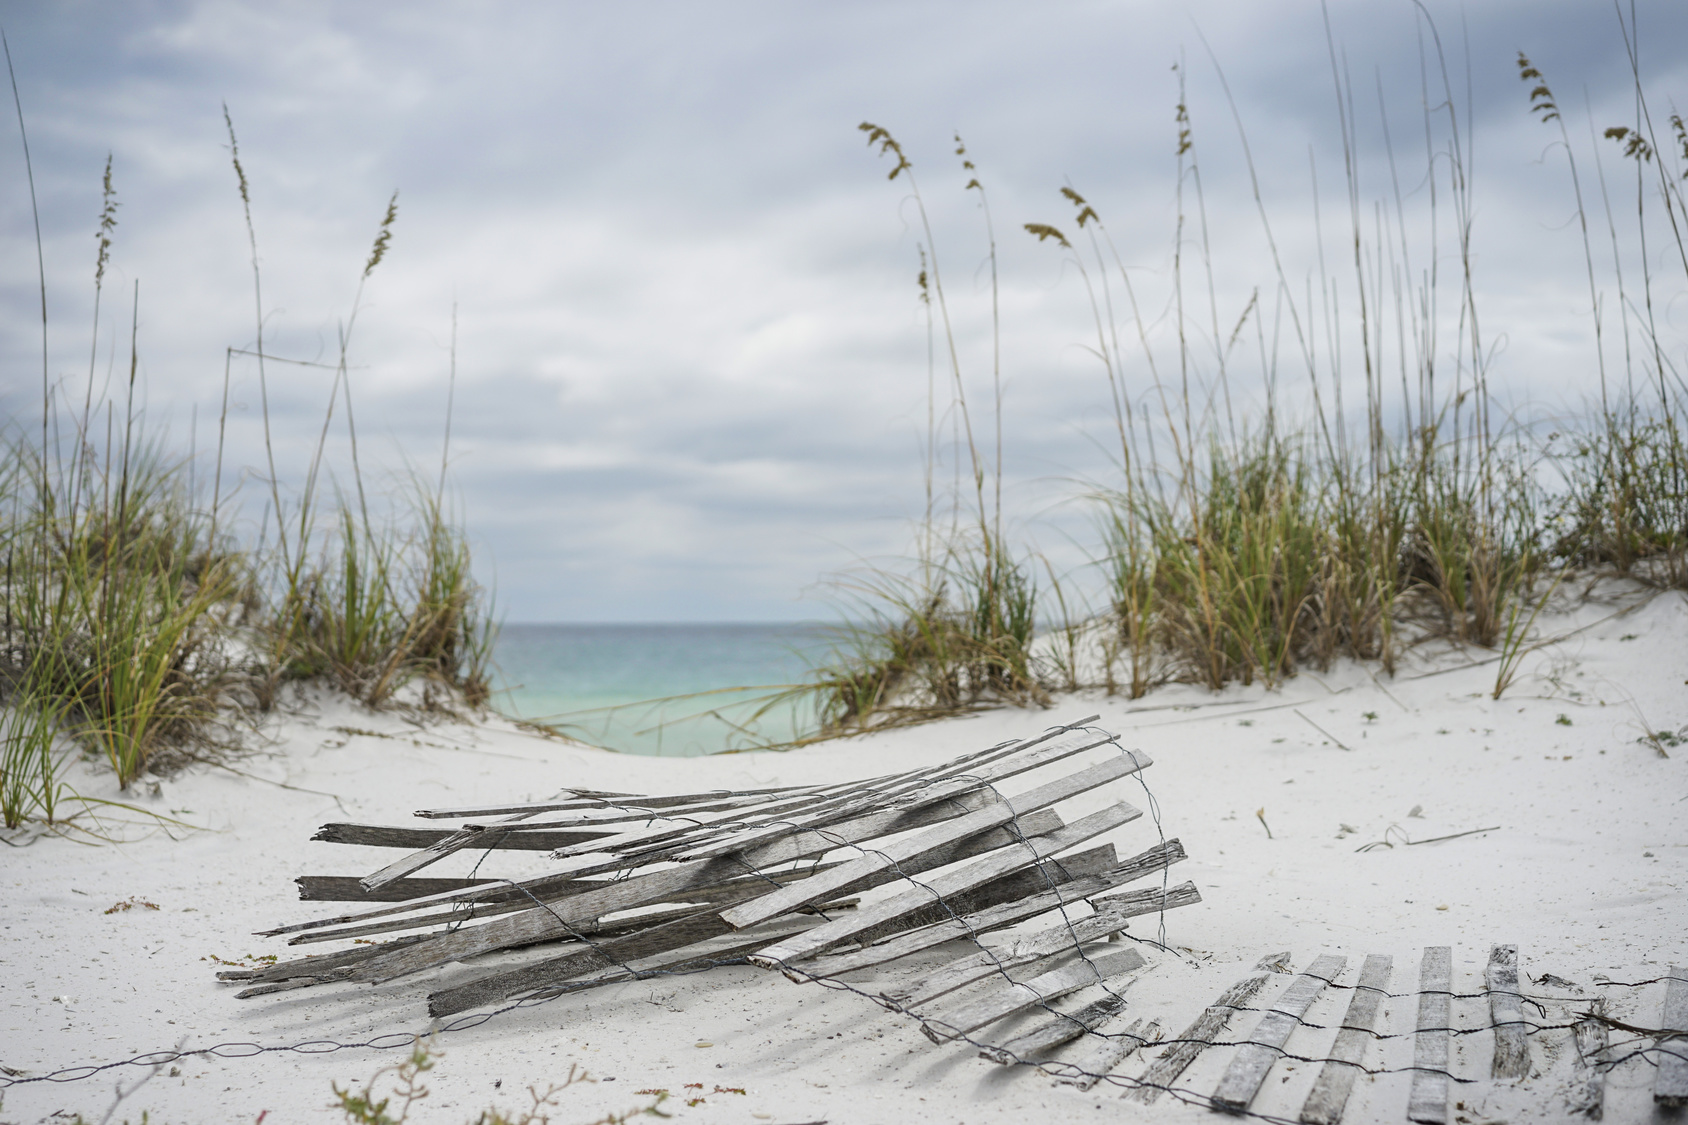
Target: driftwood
(1427, 1101)
(1329, 1096)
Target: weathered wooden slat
(556, 920)
(1506, 1013)
(1427, 1101)
(311, 966)
(1062, 1027)
(1670, 1084)
(729, 892)
(1265, 1044)
(347, 888)
(963, 971)
(941, 886)
(549, 887)
(1107, 1050)
(896, 852)
(1033, 947)
(946, 1022)
(1329, 1096)
(926, 788)
(1029, 880)
(433, 853)
(1196, 1038)
(518, 837)
(1592, 1035)
(1017, 897)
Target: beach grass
(148, 623)
(1241, 553)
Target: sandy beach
(1571, 841)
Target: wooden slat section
(1506, 1013)
(348, 888)
(1030, 880)
(1265, 1044)
(1062, 1027)
(1329, 1096)
(943, 885)
(950, 1021)
(539, 925)
(536, 839)
(1427, 1102)
(1107, 1050)
(933, 786)
(1670, 1085)
(1196, 1038)
(963, 971)
(549, 887)
(895, 853)
(1009, 911)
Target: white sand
(1585, 871)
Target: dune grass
(147, 622)
(1240, 553)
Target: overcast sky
(691, 355)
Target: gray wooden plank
(535, 839)
(946, 1022)
(1329, 1096)
(941, 886)
(433, 853)
(1592, 1036)
(539, 925)
(1196, 1038)
(1427, 1101)
(1102, 1052)
(554, 885)
(1109, 918)
(960, 921)
(347, 888)
(1670, 1085)
(895, 852)
(1506, 1013)
(708, 839)
(1264, 1046)
(935, 786)
(963, 971)
(1059, 1028)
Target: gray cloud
(691, 362)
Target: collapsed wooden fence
(660, 884)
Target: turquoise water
(596, 682)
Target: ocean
(597, 682)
